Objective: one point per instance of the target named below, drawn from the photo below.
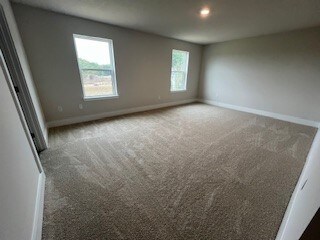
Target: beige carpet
(188, 172)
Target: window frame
(186, 71)
(112, 63)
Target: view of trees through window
(179, 70)
(96, 78)
(95, 67)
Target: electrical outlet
(60, 109)
(80, 106)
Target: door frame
(7, 76)
(18, 79)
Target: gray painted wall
(277, 73)
(24, 64)
(143, 64)
(19, 174)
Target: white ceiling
(179, 19)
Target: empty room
(171, 120)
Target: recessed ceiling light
(204, 12)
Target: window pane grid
(179, 70)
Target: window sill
(177, 91)
(100, 98)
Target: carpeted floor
(188, 172)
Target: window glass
(179, 70)
(96, 66)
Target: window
(179, 70)
(96, 66)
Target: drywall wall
(24, 65)
(143, 64)
(19, 174)
(277, 73)
(305, 200)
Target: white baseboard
(87, 118)
(38, 216)
(279, 116)
(304, 201)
